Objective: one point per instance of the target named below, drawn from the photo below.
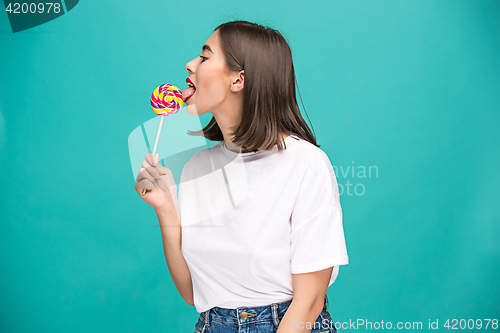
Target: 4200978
(32, 8)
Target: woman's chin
(191, 109)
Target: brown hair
(269, 102)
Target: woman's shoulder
(312, 159)
(305, 150)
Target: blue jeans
(259, 319)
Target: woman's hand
(160, 185)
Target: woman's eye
(204, 58)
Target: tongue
(186, 93)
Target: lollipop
(165, 100)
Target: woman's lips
(187, 93)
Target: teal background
(411, 88)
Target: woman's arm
(171, 236)
(309, 290)
(162, 196)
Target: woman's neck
(235, 148)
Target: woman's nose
(189, 67)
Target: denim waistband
(245, 315)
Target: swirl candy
(166, 99)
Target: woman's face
(211, 78)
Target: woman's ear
(239, 82)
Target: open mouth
(187, 93)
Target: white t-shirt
(251, 220)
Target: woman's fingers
(154, 171)
(154, 177)
(144, 174)
(144, 184)
(167, 181)
(153, 160)
(162, 183)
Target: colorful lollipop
(165, 100)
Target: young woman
(256, 237)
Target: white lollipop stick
(156, 143)
(158, 135)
